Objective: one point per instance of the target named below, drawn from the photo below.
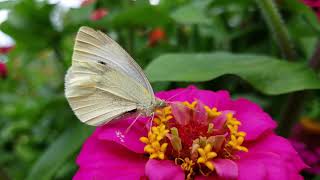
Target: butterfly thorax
(149, 110)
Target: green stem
(279, 31)
(314, 62)
(131, 40)
(295, 101)
(59, 56)
(195, 39)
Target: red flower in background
(155, 36)
(3, 70)
(314, 4)
(98, 14)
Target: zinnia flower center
(193, 135)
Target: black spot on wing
(101, 62)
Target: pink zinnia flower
(6, 49)
(99, 14)
(201, 135)
(3, 70)
(305, 139)
(313, 4)
(87, 2)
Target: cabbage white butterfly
(104, 82)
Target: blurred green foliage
(40, 136)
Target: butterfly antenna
(176, 94)
(133, 122)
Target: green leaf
(7, 4)
(59, 151)
(316, 178)
(193, 13)
(269, 75)
(140, 16)
(77, 16)
(309, 16)
(26, 26)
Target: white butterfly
(104, 82)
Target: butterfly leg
(133, 122)
(151, 121)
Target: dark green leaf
(269, 75)
(59, 151)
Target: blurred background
(39, 135)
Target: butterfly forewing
(97, 46)
(102, 82)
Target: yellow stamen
(190, 105)
(212, 113)
(231, 120)
(206, 155)
(153, 147)
(163, 115)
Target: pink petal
(117, 132)
(251, 169)
(255, 122)
(181, 113)
(282, 147)
(206, 178)
(108, 160)
(261, 166)
(219, 99)
(180, 94)
(199, 114)
(89, 174)
(226, 169)
(220, 121)
(163, 170)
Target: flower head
(305, 139)
(99, 14)
(202, 134)
(3, 70)
(155, 36)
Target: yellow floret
(206, 155)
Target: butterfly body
(104, 82)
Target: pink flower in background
(87, 2)
(3, 70)
(313, 4)
(202, 135)
(3, 67)
(6, 49)
(305, 139)
(99, 14)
